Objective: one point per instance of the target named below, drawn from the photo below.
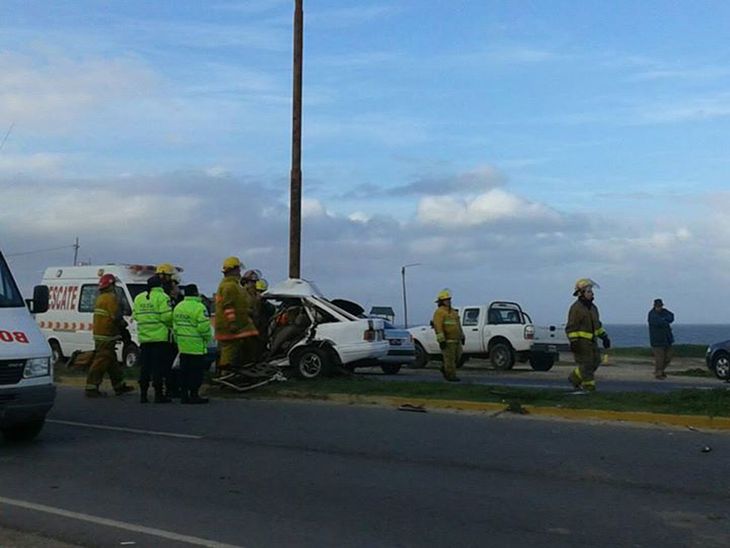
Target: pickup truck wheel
(130, 355)
(390, 368)
(23, 432)
(502, 357)
(421, 357)
(721, 366)
(311, 363)
(542, 362)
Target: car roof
(294, 287)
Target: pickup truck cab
(500, 332)
(27, 391)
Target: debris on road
(412, 408)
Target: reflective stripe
(101, 312)
(581, 335)
(600, 332)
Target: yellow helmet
(582, 284)
(262, 285)
(232, 262)
(165, 268)
(443, 295)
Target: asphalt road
(622, 376)
(273, 473)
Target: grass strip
(710, 403)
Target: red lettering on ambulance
(5, 336)
(20, 337)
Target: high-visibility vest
(191, 326)
(153, 314)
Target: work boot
(160, 396)
(94, 393)
(123, 389)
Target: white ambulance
(27, 392)
(68, 323)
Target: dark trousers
(170, 376)
(192, 368)
(153, 357)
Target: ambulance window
(88, 298)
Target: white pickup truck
(500, 332)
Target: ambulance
(27, 391)
(69, 321)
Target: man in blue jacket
(660, 337)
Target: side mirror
(41, 296)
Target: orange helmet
(107, 280)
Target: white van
(27, 392)
(68, 323)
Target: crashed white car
(314, 336)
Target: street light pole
(295, 196)
(405, 301)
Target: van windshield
(10, 297)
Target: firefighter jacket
(583, 322)
(153, 315)
(446, 324)
(191, 325)
(108, 321)
(232, 311)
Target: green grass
(680, 351)
(689, 402)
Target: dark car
(718, 359)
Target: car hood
(294, 287)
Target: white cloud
(494, 205)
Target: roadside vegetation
(679, 350)
(687, 402)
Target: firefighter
(191, 325)
(234, 329)
(170, 284)
(449, 334)
(153, 314)
(584, 329)
(109, 328)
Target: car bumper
(361, 351)
(25, 403)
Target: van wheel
(311, 363)
(23, 432)
(56, 352)
(502, 357)
(130, 355)
(421, 357)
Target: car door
(470, 323)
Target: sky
(503, 148)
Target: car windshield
(10, 297)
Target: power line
(40, 251)
(7, 134)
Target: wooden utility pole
(76, 251)
(295, 200)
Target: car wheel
(390, 368)
(311, 363)
(56, 352)
(721, 365)
(23, 432)
(502, 357)
(542, 362)
(130, 355)
(421, 357)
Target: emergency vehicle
(27, 391)
(68, 324)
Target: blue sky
(509, 147)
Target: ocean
(623, 335)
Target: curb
(640, 417)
